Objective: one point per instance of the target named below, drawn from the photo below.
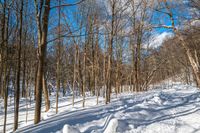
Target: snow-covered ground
(168, 109)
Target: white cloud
(158, 39)
(195, 23)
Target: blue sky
(158, 17)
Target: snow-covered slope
(169, 109)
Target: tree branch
(64, 5)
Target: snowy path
(175, 110)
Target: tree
(193, 62)
(4, 54)
(42, 10)
(58, 62)
(17, 91)
(110, 51)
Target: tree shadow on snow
(156, 108)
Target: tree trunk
(110, 50)
(80, 73)
(5, 87)
(74, 76)
(27, 93)
(17, 92)
(24, 75)
(57, 93)
(46, 95)
(35, 89)
(84, 77)
(42, 44)
(57, 78)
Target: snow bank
(69, 129)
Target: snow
(69, 129)
(112, 126)
(173, 108)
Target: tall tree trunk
(58, 60)
(137, 62)
(136, 73)
(3, 23)
(117, 79)
(84, 77)
(95, 61)
(5, 58)
(27, 93)
(42, 44)
(35, 88)
(93, 66)
(79, 71)
(110, 50)
(24, 75)
(104, 71)
(74, 76)
(57, 78)
(17, 91)
(5, 87)
(132, 45)
(1, 72)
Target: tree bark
(46, 95)
(84, 77)
(110, 50)
(42, 44)
(17, 92)
(74, 76)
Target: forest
(63, 52)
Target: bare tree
(193, 62)
(17, 92)
(42, 10)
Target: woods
(81, 48)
